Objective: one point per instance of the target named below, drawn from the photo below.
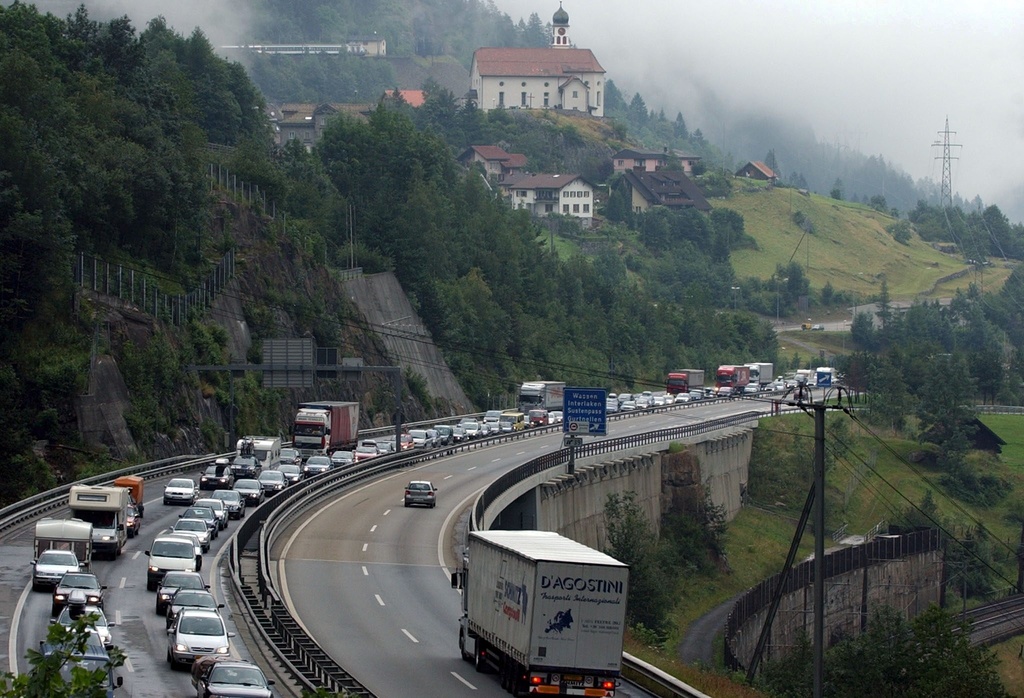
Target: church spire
(560, 29)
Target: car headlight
(154, 569)
(106, 538)
(221, 650)
(94, 600)
(58, 597)
(180, 647)
(165, 597)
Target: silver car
(50, 566)
(196, 632)
(197, 527)
(421, 492)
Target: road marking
(365, 546)
(379, 599)
(366, 572)
(473, 467)
(124, 580)
(409, 635)
(117, 617)
(128, 665)
(136, 555)
(521, 453)
(447, 477)
(471, 686)
(386, 512)
(373, 528)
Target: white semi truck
(545, 612)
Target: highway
(139, 631)
(370, 579)
(367, 577)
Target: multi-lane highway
(369, 579)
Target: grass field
(849, 246)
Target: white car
(555, 417)
(196, 632)
(181, 490)
(50, 566)
(73, 611)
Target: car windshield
(173, 548)
(80, 581)
(272, 476)
(366, 449)
(341, 455)
(201, 625)
(198, 513)
(418, 434)
(190, 525)
(247, 485)
(89, 664)
(237, 676)
(194, 599)
(66, 616)
(58, 557)
(318, 460)
(289, 469)
(177, 482)
(289, 454)
(423, 486)
(227, 495)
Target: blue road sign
(824, 379)
(584, 413)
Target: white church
(559, 77)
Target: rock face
(375, 301)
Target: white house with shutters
(546, 194)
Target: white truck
(65, 534)
(106, 508)
(543, 395)
(761, 373)
(267, 450)
(546, 613)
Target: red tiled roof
(768, 172)
(516, 160)
(414, 98)
(536, 62)
(491, 152)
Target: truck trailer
(65, 534)
(106, 508)
(761, 373)
(546, 613)
(731, 380)
(323, 427)
(541, 395)
(683, 380)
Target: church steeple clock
(560, 29)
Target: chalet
(663, 188)
(496, 162)
(305, 122)
(644, 160)
(558, 77)
(687, 161)
(547, 194)
(757, 170)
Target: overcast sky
(878, 77)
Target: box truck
(106, 508)
(761, 373)
(731, 380)
(683, 380)
(542, 395)
(324, 427)
(136, 486)
(65, 534)
(545, 612)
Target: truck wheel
(480, 663)
(466, 656)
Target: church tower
(560, 29)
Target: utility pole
(819, 549)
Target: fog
(876, 77)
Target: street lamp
(735, 301)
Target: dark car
(252, 490)
(217, 477)
(214, 675)
(273, 481)
(91, 657)
(207, 514)
(234, 502)
(445, 435)
(290, 456)
(172, 582)
(84, 581)
(292, 473)
(133, 521)
(190, 598)
(245, 467)
(315, 465)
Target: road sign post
(584, 414)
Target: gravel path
(698, 645)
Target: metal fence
(142, 289)
(227, 180)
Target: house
(687, 161)
(645, 160)
(496, 162)
(371, 45)
(546, 194)
(757, 170)
(305, 122)
(558, 77)
(663, 188)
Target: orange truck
(135, 485)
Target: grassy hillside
(848, 247)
